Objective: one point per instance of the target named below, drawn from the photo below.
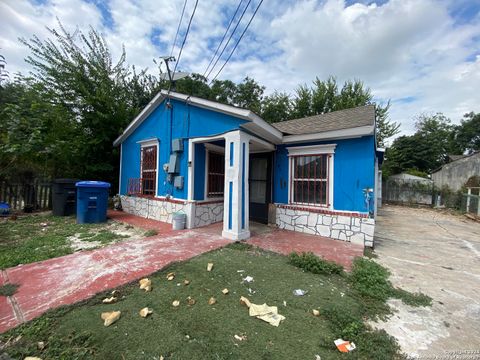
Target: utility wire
(223, 38)
(238, 41)
(178, 28)
(230, 38)
(185, 38)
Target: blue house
(220, 163)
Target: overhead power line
(223, 38)
(230, 38)
(185, 38)
(238, 41)
(178, 28)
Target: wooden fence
(35, 196)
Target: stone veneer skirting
(353, 227)
(161, 209)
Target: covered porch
(229, 182)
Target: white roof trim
(259, 123)
(311, 150)
(331, 135)
(255, 124)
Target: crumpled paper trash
(212, 301)
(109, 300)
(344, 346)
(146, 284)
(209, 266)
(145, 312)
(110, 317)
(263, 312)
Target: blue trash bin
(92, 201)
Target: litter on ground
(145, 312)
(175, 303)
(240, 337)
(146, 284)
(315, 312)
(170, 276)
(263, 312)
(225, 291)
(209, 266)
(299, 292)
(212, 301)
(344, 346)
(110, 317)
(40, 345)
(32, 358)
(248, 279)
(109, 300)
(186, 282)
(191, 301)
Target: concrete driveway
(437, 254)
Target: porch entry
(260, 186)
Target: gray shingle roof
(337, 120)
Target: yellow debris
(146, 284)
(191, 301)
(315, 312)
(145, 312)
(263, 312)
(110, 317)
(225, 291)
(209, 266)
(212, 301)
(176, 303)
(109, 300)
(245, 301)
(170, 276)
(186, 282)
(32, 358)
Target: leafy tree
(467, 134)
(249, 95)
(302, 102)
(276, 107)
(78, 75)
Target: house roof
(355, 122)
(337, 120)
(254, 122)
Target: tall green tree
(276, 107)
(78, 74)
(249, 95)
(467, 134)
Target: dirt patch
(98, 237)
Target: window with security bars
(215, 174)
(149, 170)
(309, 180)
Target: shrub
(150, 232)
(312, 263)
(370, 279)
(345, 321)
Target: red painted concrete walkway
(69, 279)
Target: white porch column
(236, 195)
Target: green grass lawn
(203, 331)
(28, 239)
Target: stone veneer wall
(207, 213)
(353, 227)
(157, 208)
(162, 209)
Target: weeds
(8, 289)
(311, 263)
(151, 232)
(370, 280)
(240, 245)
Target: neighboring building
(404, 188)
(216, 162)
(456, 173)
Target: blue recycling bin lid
(93, 184)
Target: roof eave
(331, 135)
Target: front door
(260, 185)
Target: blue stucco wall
(187, 122)
(354, 170)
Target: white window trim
(217, 149)
(328, 149)
(148, 143)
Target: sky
(422, 55)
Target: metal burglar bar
(310, 179)
(149, 170)
(216, 174)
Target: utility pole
(172, 77)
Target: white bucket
(178, 221)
